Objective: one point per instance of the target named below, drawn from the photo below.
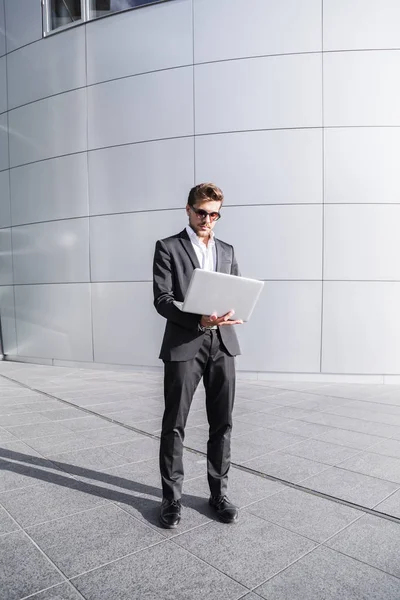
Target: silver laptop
(211, 292)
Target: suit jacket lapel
(187, 244)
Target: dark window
(64, 12)
(100, 8)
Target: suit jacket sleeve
(164, 293)
(234, 267)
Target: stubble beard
(204, 233)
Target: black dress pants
(181, 379)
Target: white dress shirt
(206, 255)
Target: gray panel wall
(291, 107)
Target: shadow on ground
(136, 495)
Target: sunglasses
(203, 214)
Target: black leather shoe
(226, 511)
(170, 513)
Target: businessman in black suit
(195, 346)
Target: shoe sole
(168, 525)
(222, 518)
(228, 521)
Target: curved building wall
(291, 107)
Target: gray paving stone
(386, 448)
(91, 458)
(390, 506)
(279, 386)
(252, 392)
(150, 426)
(351, 439)
(113, 404)
(376, 407)
(6, 436)
(70, 391)
(242, 409)
(367, 415)
(31, 418)
(372, 540)
(63, 413)
(20, 452)
(197, 417)
(243, 450)
(233, 550)
(322, 403)
(239, 428)
(24, 569)
(340, 422)
(48, 500)
(110, 435)
(305, 514)
(375, 465)
(241, 405)
(89, 539)
(365, 391)
(18, 394)
(34, 405)
(286, 466)
(57, 444)
(89, 400)
(351, 390)
(307, 430)
(6, 523)
(356, 412)
(274, 438)
(243, 488)
(141, 410)
(323, 452)
(18, 403)
(288, 397)
(164, 572)
(292, 412)
(387, 398)
(354, 487)
(327, 575)
(25, 432)
(196, 438)
(137, 489)
(266, 420)
(396, 436)
(84, 423)
(143, 473)
(17, 475)
(296, 397)
(261, 442)
(131, 418)
(136, 450)
(65, 591)
(78, 397)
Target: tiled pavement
(317, 480)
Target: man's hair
(205, 192)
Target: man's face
(200, 225)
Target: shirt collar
(196, 240)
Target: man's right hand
(213, 320)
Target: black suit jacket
(174, 262)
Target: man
(195, 346)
